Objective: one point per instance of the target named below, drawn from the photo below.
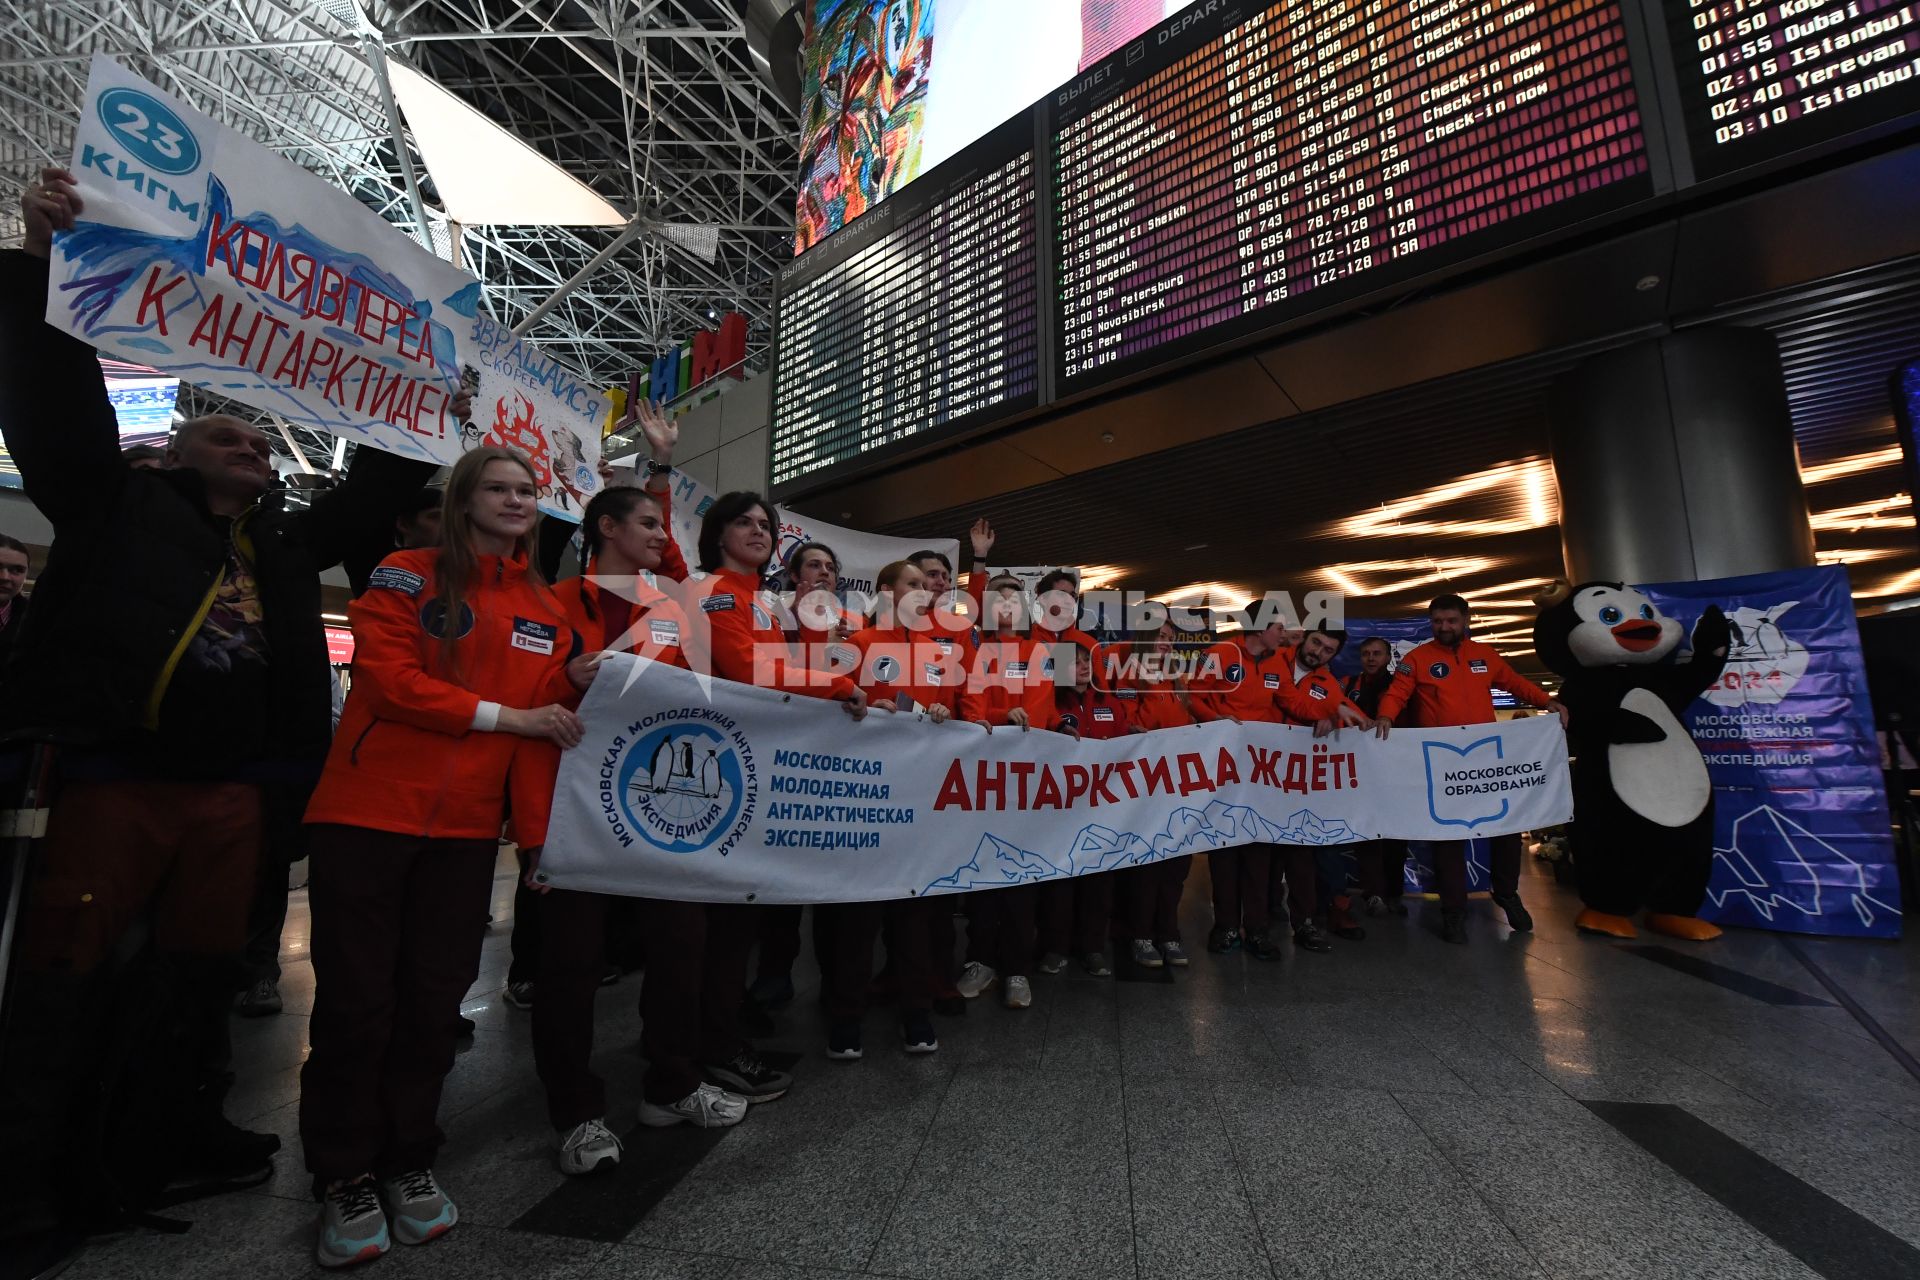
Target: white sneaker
(586, 1147)
(1019, 994)
(708, 1107)
(974, 979)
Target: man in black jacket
(14, 564)
(176, 661)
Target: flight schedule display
(1243, 163)
(1760, 80)
(920, 316)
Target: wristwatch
(658, 468)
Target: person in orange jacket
(744, 641)
(954, 617)
(1149, 896)
(902, 671)
(696, 952)
(1450, 680)
(817, 628)
(1310, 695)
(460, 653)
(1011, 682)
(1076, 913)
(1237, 680)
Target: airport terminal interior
(1592, 324)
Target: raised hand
(662, 432)
(982, 538)
(49, 206)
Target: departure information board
(1759, 80)
(1246, 162)
(917, 317)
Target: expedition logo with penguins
(683, 780)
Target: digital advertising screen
(142, 400)
(893, 88)
(1761, 80)
(1243, 163)
(919, 317)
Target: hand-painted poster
(530, 402)
(204, 254)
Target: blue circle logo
(681, 787)
(149, 130)
(1439, 670)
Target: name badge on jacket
(534, 637)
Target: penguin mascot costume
(1642, 801)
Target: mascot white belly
(1664, 782)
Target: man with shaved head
(175, 661)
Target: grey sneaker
(1146, 955)
(1095, 963)
(418, 1207)
(1052, 962)
(707, 1107)
(586, 1147)
(1175, 953)
(261, 1000)
(352, 1226)
(1018, 994)
(974, 979)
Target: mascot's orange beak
(1637, 636)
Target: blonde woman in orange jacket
(460, 652)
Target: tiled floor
(1398, 1108)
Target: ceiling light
(1531, 502)
(1343, 578)
(486, 175)
(1850, 466)
(1857, 555)
(334, 617)
(1867, 515)
(1095, 576)
(1909, 581)
(1207, 595)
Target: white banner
(862, 555)
(204, 254)
(709, 791)
(530, 402)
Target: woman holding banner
(1149, 896)
(695, 952)
(744, 643)
(901, 669)
(461, 651)
(817, 628)
(1011, 682)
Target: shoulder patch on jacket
(716, 604)
(391, 578)
(1402, 669)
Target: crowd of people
(174, 679)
